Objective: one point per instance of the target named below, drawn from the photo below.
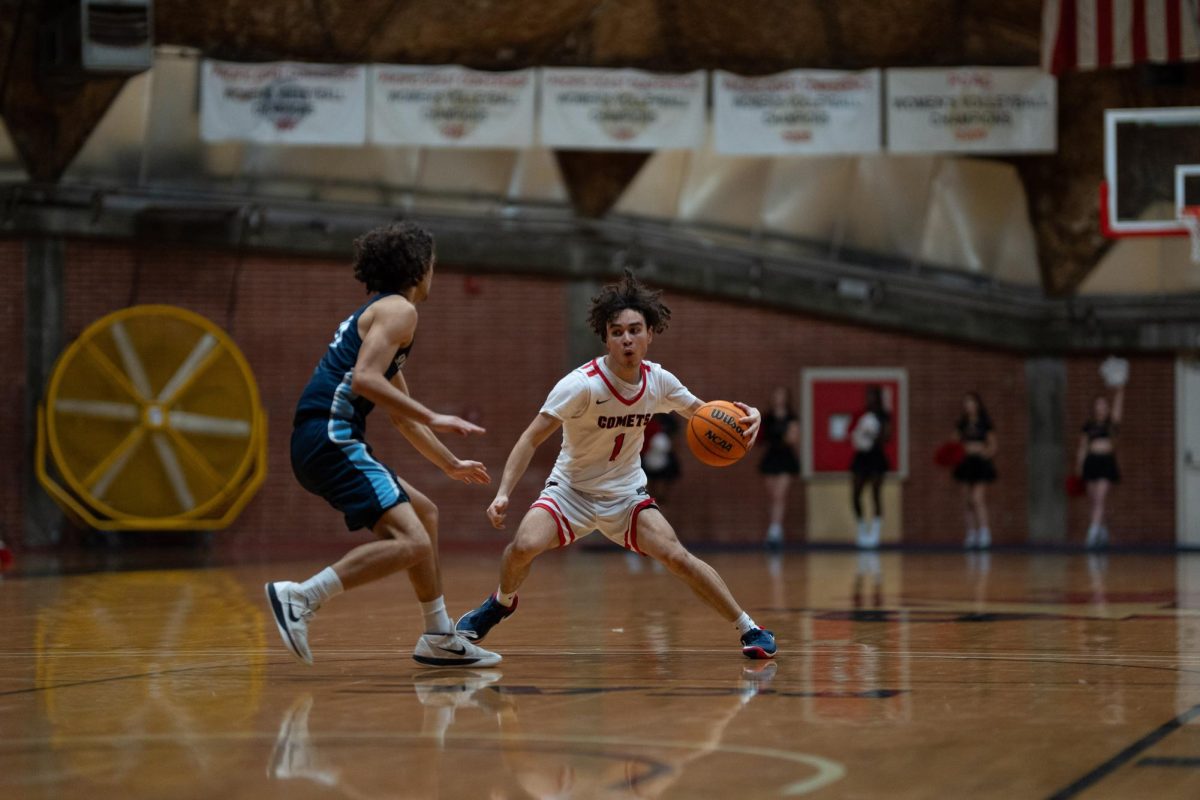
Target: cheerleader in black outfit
(870, 464)
(976, 470)
(1096, 457)
(779, 465)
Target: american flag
(1099, 34)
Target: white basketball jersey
(604, 421)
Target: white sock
(436, 618)
(744, 623)
(322, 586)
(505, 598)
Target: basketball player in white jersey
(597, 482)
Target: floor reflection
(473, 729)
(998, 674)
(138, 665)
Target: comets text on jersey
(627, 421)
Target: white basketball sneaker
(863, 539)
(876, 532)
(292, 611)
(868, 534)
(985, 539)
(452, 650)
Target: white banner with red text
(450, 106)
(971, 110)
(801, 112)
(621, 109)
(283, 103)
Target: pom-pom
(1114, 371)
(949, 454)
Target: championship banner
(283, 103)
(801, 112)
(452, 107)
(621, 109)
(971, 110)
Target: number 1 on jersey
(617, 445)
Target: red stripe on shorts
(566, 522)
(631, 534)
(562, 537)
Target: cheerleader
(1096, 456)
(779, 465)
(870, 463)
(976, 470)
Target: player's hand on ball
(497, 511)
(469, 472)
(752, 420)
(448, 423)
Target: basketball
(714, 435)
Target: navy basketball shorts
(332, 461)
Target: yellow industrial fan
(152, 421)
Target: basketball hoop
(1189, 216)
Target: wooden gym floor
(900, 675)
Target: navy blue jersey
(328, 392)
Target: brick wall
(730, 352)
(493, 346)
(13, 467)
(490, 348)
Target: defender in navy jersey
(362, 369)
(597, 482)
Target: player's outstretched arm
(425, 441)
(392, 325)
(518, 461)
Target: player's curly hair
(629, 293)
(394, 257)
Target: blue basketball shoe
(474, 625)
(758, 643)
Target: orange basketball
(714, 435)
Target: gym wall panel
(490, 347)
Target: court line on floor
(827, 770)
(1128, 754)
(523, 650)
(115, 678)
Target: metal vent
(117, 25)
(118, 35)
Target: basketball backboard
(1150, 170)
(1187, 187)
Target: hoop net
(1190, 217)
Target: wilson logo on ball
(714, 434)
